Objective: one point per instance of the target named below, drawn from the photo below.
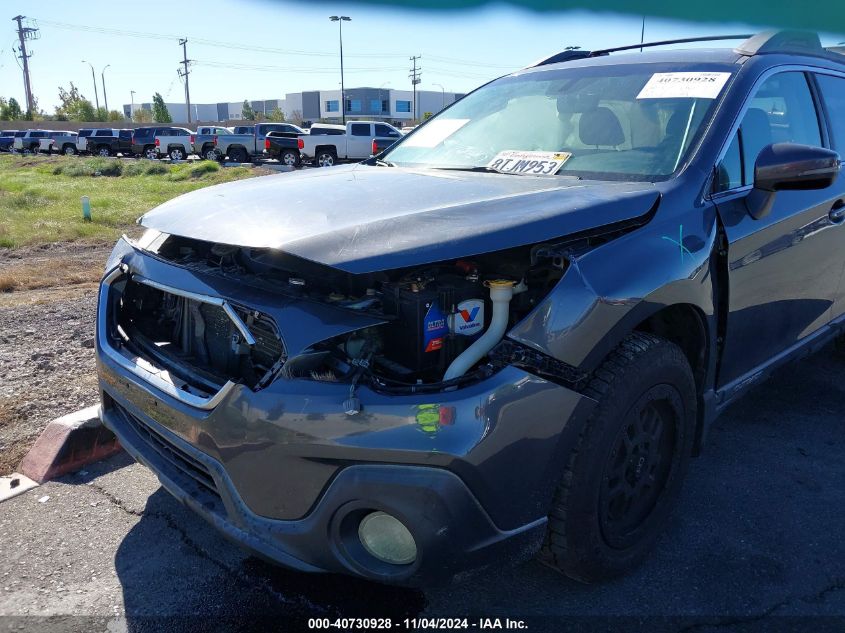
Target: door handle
(837, 212)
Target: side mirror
(789, 167)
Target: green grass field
(40, 196)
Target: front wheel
(176, 153)
(325, 158)
(103, 151)
(69, 150)
(210, 154)
(238, 155)
(290, 158)
(624, 475)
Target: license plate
(523, 163)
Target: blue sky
(459, 49)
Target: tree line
(74, 106)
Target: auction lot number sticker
(418, 624)
(692, 85)
(521, 163)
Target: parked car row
(324, 144)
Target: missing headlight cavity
(441, 319)
(198, 341)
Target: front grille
(176, 457)
(198, 339)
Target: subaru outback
(514, 331)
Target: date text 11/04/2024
(415, 624)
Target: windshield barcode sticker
(684, 85)
(522, 163)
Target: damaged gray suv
(514, 331)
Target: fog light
(385, 537)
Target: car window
(386, 130)
(781, 111)
(729, 173)
(360, 129)
(615, 122)
(103, 133)
(833, 95)
(125, 133)
(39, 135)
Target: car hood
(362, 219)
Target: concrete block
(69, 443)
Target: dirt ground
(47, 312)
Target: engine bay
(440, 320)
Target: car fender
(609, 290)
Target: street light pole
(340, 19)
(94, 78)
(103, 77)
(442, 94)
(132, 107)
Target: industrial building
(381, 104)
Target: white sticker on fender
(684, 85)
(528, 163)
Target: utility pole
(415, 79)
(24, 34)
(184, 73)
(132, 107)
(105, 98)
(94, 79)
(340, 19)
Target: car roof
(793, 44)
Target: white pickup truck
(328, 144)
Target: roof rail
(570, 54)
(765, 42)
(781, 42)
(686, 40)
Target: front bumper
(286, 473)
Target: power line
(257, 49)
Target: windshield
(622, 122)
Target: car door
(783, 269)
(359, 140)
(832, 90)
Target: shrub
(90, 167)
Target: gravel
(47, 366)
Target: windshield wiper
(383, 163)
(481, 168)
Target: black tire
(290, 157)
(625, 473)
(210, 153)
(177, 153)
(325, 158)
(103, 150)
(150, 152)
(68, 149)
(238, 155)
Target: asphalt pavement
(755, 544)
